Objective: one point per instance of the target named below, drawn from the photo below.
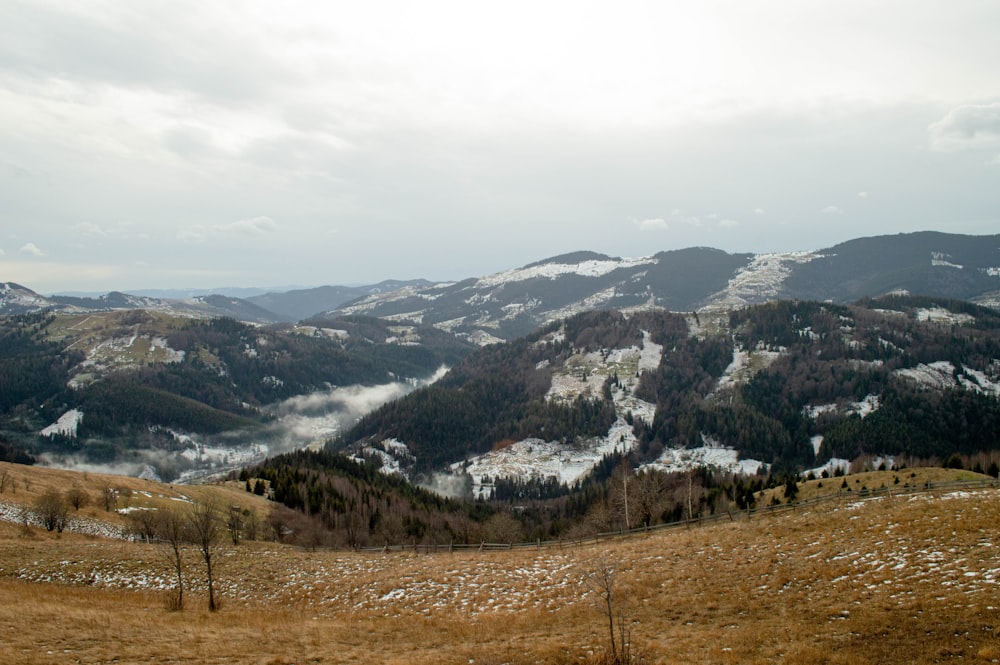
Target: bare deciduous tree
(143, 524)
(204, 523)
(172, 531)
(52, 510)
(602, 579)
(77, 498)
(234, 524)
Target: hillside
(139, 388)
(503, 306)
(903, 580)
(509, 304)
(785, 386)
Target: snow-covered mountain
(512, 303)
(793, 385)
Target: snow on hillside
(864, 408)
(592, 268)
(711, 454)
(744, 365)
(535, 458)
(942, 315)
(941, 375)
(124, 353)
(370, 302)
(66, 425)
(393, 455)
(941, 260)
(217, 459)
(13, 297)
(761, 279)
(583, 374)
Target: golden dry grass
(904, 580)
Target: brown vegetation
(891, 580)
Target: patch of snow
(67, 424)
(483, 338)
(864, 408)
(940, 259)
(591, 302)
(759, 280)
(536, 458)
(832, 466)
(744, 365)
(393, 454)
(977, 381)
(650, 355)
(942, 315)
(940, 374)
(593, 268)
(711, 454)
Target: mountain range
(508, 304)
(772, 366)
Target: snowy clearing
(66, 425)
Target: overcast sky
(175, 144)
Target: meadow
(907, 579)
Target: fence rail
(840, 496)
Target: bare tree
(4, 474)
(234, 524)
(172, 531)
(612, 604)
(110, 498)
(77, 498)
(143, 524)
(251, 524)
(651, 493)
(52, 510)
(205, 527)
(623, 491)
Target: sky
(176, 144)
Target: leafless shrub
(143, 524)
(77, 498)
(52, 509)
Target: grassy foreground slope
(903, 580)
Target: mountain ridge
(510, 303)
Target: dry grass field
(912, 579)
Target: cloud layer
(238, 143)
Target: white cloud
(967, 127)
(656, 224)
(759, 211)
(90, 229)
(862, 195)
(833, 210)
(191, 234)
(728, 223)
(30, 249)
(2, 252)
(253, 226)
